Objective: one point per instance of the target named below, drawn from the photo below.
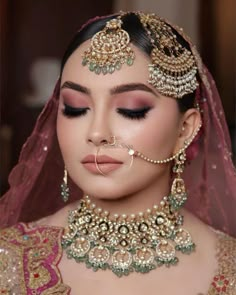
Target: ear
(189, 124)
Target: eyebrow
(115, 90)
(76, 87)
(132, 87)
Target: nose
(99, 131)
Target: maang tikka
(173, 68)
(109, 49)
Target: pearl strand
(124, 217)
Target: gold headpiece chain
(173, 67)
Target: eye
(69, 111)
(134, 114)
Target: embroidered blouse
(29, 258)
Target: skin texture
(128, 190)
(158, 135)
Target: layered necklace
(126, 243)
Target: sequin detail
(224, 282)
(28, 261)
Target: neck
(135, 202)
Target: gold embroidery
(39, 277)
(39, 251)
(40, 245)
(57, 290)
(224, 282)
(11, 274)
(3, 262)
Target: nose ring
(113, 142)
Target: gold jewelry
(167, 160)
(114, 144)
(178, 195)
(109, 49)
(64, 187)
(125, 244)
(173, 69)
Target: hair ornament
(173, 69)
(109, 49)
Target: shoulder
(29, 257)
(59, 218)
(225, 278)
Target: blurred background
(34, 35)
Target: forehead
(74, 70)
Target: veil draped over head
(210, 177)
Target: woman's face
(93, 108)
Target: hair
(138, 37)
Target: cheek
(68, 137)
(159, 139)
(154, 136)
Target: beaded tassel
(64, 188)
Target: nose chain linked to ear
(167, 160)
(114, 143)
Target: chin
(104, 193)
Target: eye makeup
(74, 99)
(134, 105)
(134, 114)
(75, 104)
(131, 105)
(69, 111)
(134, 100)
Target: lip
(106, 164)
(103, 159)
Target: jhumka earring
(64, 187)
(178, 195)
(109, 49)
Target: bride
(133, 131)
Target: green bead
(111, 69)
(104, 70)
(97, 70)
(92, 66)
(129, 61)
(84, 62)
(118, 66)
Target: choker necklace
(126, 243)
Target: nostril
(104, 141)
(97, 141)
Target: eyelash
(71, 112)
(135, 114)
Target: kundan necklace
(125, 244)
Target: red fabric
(210, 177)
